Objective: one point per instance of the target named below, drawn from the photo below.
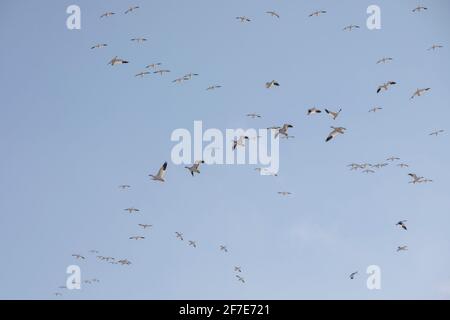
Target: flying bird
(99, 45)
(145, 226)
(223, 248)
(415, 178)
(333, 114)
(161, 72)
(192, 243)
(253, 115)
(402, 224)
(284, 193)
(194, 168)
(273, 14)
(161, 173)
(137, 238)
(271, 84)
(243, 19)
(130, 9)
(189, 76)
(368, 171)
(403, 165)
(283, 130)
(336, 131)
(384, 60)
(353, 274)
(317, 13)
(313, 111)
(240, 279)
(351, 27)
(392, 159)
(385, 86)
(107, 14)
(78, 256)
(436, 133)
(237, 269)
(131, 210)
(153, 65)
(124, 186)
(419, 92)
(419, 9)
(375, 109)
(142, 74)
(402, 248)
(435, 46)
(239, 142)
(139, 40)
(179, 235)
(213, 87)
(116, 61)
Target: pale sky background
(72, 129)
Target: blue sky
(72, 129)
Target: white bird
(107, 14)
(333, 114)
(402, 248)
(139, 40)
(403, 165)
(415, 178)
(131, 210)
(223, 248)
(57, 294)
(253, 115)
(189, 76)
(179, 80)
(161, 72)
(271, 84)
(436, 133)
(142, 74)
(239, 142)
(237, 269)
(419, 9)
(116, 60)
(192, 243)
(124, 262)
(99, 45)
(336, 131)
(392, 159)
(435, 46)
(283, 130)
(402, 224)
(94, 251)
(317, 13)
(243, 19)
(313, 111)
(145, 226)
(130, 9)
(240, 279)
(78, 256)
(137, 238)
(179, 235)
(194, 168)
(153, 65)
(385, 86)
(375, 109)
(384, 60)
(368, 171)
(353, 274)
(350, 27)
(273, 14)
(124, 186)
(161, 173)
(284, 193)
(213, 87)
(419, 92)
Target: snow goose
(223, 248)
(353, 274)
(116, 61)
(403, 165)
(107, 14)
(130, 9)
(419, 92)
(137, 238)
(124, 186)
(243, 19)
(213, 87)
(351, 27)
(402, 224)
(271, 84)
(317, 13)
(192, 243)
(435, 46)
(142, 74)
(313, 111)
(273, 14)
(139, 40)
(253, 115)
(336, 131)
(241, 279)
(153, 65)
(161, 72)
(436, 133)
(239, 142)
(145, 226)
(179, 235)
(131, 210)
(194, 168)
(375, 109)
(415, 178)
(283, 130)
(161, 173)
(402, 248)
(78, 256)
(284, 193)
(419, 9)
(385, 86)
(392, 159)
(333, 114)
(384, 60)
(237, 269)
(99, 45)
